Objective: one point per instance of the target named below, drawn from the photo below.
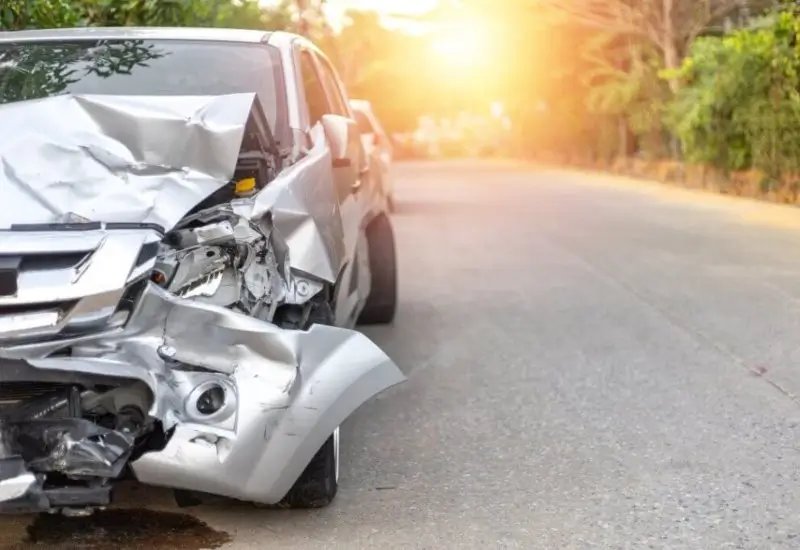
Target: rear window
(33, 70)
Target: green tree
(26, 14)
(387, 67)
(739, 106)
(669, 27)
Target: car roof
(152, 33)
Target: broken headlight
(225, 260)
(190, 273)
(194, 262)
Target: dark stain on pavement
(122, 529)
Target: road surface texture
(593, 362)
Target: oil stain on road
(121, 529)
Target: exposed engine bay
(180, 352)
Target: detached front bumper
(245, 404)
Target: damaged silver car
(188, 235)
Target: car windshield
(33, 70)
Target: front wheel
(319, 482)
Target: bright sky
(386, 6)
(336, 8)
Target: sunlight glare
(463, 44)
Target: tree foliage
(374, 62)
(32, 14)
(740, 105)
(622, 81)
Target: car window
(33, 70)
(314, 91)
(335, 93)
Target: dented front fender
(277, 431)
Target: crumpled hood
(116, 159)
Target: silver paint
(116, 159)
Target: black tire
(318, 484)
(382, 302)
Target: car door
(324, 98)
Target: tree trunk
(622, 128)
(671, 62)
(670, 46)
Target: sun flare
(462, 44)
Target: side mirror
(346, 148)
(340, 133)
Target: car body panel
(100, 163)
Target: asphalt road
(592, 363)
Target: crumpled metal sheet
(151, 159)
(100, 158)
(306, 214)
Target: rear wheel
(382, 302)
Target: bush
(739, 106)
